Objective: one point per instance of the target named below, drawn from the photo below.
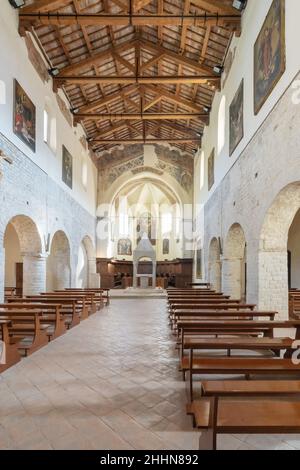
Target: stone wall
(261, 193)
(38, 207)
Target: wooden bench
(103, 291)
(51, 314)
(183, 315)
(255, 416)
(90, 303)
(96, 297)
(81, 301)
(249, 388)
(238, 366)
(70, 309)
(12, 355)
(26, 329)
(205, 285)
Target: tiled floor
(111, 383)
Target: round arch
(235, 263)
(86, 275)
(273, 245)
(24, 262)
(214, 264)
(59, 262)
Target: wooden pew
(11, 348)
(104, 292)
(26, 329)
(192, 315)
(50, 314)
(204, 285)
(69, 307)
(294, 304)
(265, 412)
(95, 297)
(233, 365)
(89, 298)
(81, 301)
(248, 388)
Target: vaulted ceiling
(135, 71)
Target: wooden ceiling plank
(171, 97)
(106, 100)
(44, 6)
(228, 22)
(95, 59)
(146, 141)
(177, 58)
(139, 4)
(215, 6)
(124, 62)
(152, 61)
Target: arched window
(50, 126)
(221, 124)
(84, 172)
(166, 223)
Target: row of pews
(294, 303)
(29, 323)
(217, 335)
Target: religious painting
(24, 117)
(124, 247)
(67, 167)
(166, 246)
(211, 170)
(236, 119)
(199, 263)
(146, 225)
(269, 54)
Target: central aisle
(110, 383)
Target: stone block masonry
(261, 193)
(38, 206)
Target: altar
(144, 280)
(144, 250)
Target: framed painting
(67, 167)
(269, 54)
(24, 125)
(236, 119)
(166, 246)
(124, 247)
(211, 170)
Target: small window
(166, 223)
(46, 127)
(50, 137)
(84, 173)
(221, 124)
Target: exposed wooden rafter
(134, 71)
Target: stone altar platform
(138, 293)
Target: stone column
(34, 273)
(93, 276)
(215, 275)
(134, 275)
(2, 271)
(273, 282)
(154, 275)
(232, 277)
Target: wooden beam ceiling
(133, 72)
